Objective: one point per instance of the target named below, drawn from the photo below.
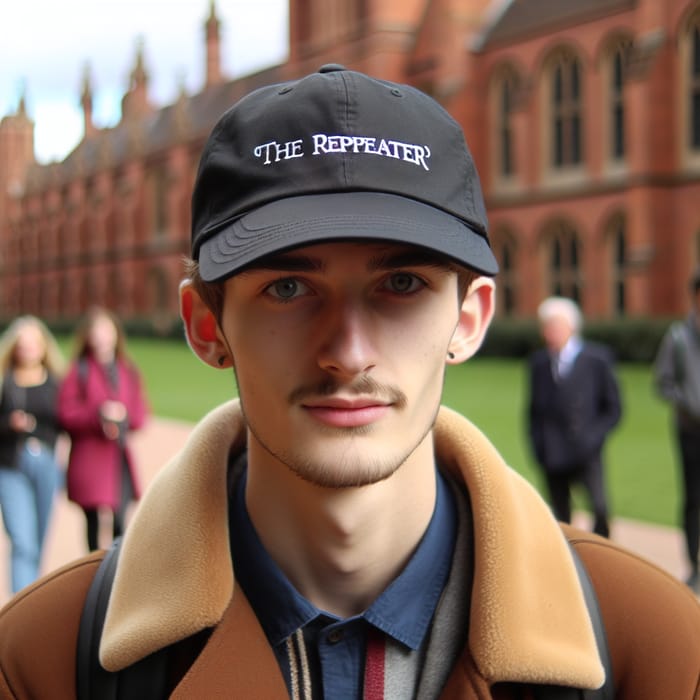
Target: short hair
(211, 293)
(561, 307)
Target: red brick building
(583, 116)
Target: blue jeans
(26, 500)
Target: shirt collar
(404, 610)
(572, 348)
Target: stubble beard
(345, 469)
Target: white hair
(561, 307)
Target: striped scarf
(382, 678)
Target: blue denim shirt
(334, 647)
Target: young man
(337, 534)
(574, 404)
(677, 377)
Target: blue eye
(287, 288)
(404, 283)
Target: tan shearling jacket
(528, 621)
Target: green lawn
(641, 466)
(642, 474)
(179, 384)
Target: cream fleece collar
(528, 622)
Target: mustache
(362, 386)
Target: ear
(474, 319)
(203, 333)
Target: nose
(347, 348)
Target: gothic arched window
(564, 262)
(566, 111)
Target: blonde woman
(31, 368)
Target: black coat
(569, 419)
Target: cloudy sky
(45, 46)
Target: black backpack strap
(144, 680)
(92, 681)
(606, 691)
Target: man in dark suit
(574, 404)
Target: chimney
(86, 102)
(16, 152)
(135, 102)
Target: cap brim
(297, 221)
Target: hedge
(631, 339)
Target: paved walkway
(162, 438)
(66, 539)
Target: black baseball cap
(336, 155)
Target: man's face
(339, 351)
(556, 331)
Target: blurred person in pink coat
(100, 401)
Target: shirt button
(334, 636)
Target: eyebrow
(296, 262)
(286, 262)
(410, 258)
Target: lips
(347, 413)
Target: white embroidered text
(324, 144)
